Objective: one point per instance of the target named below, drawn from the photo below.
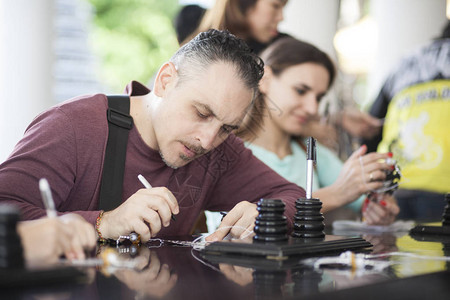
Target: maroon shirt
(66, 145)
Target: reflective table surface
(397, 266)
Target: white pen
(47, 198)
(147, 185)
(144, 181)
(311, 161)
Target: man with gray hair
(181, 141)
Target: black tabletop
(416, 268)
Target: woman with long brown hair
(255, 21)
(297, 75)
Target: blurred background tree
(132, 38)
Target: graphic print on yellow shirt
(417, 131)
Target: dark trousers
(420, 205)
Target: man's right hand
(145, 212)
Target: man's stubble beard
(166, 162)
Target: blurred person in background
(255, 21)
(415, 102)
(187, 20)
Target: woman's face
(293, 96)
(263, 19)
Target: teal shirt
(293, 167)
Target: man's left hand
(239, 222)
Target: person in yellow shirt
(415, 101)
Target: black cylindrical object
(308, 220)
(271, 224)
(11, 252)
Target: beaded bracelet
(97, 225)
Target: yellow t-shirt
(417, 131)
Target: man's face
(195, 116)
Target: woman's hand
(361, 173)
(382, 212)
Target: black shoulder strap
(119, 123)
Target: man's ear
(265, 80)
(165, 79)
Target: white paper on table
(397, 226)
